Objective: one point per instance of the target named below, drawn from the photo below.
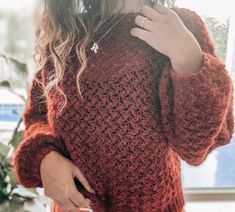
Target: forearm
(187, 58)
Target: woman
(130, 88)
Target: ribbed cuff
(28, 158)
(209, 69)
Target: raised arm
(39, 138)
(197, 110)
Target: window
(17, 41)
(218, 170)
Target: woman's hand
(166, 33)
(57, 173)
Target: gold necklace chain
(95, 46)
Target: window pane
(218, 170)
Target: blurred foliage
(14, 196)
(219, 32)
(17, 42)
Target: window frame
(217, 194)
(230, 45)
(209, 194)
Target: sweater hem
(176, 205)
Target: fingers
(161, 9)
(78, 199)
(71, 199)
(86, 209)
(59, 203)
(78, 174)
(150, 13)
(66, 204)
(148, 24)
(155, 12)
(142, 34)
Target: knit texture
(139, 118)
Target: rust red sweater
(138, 120)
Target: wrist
(50, 155)
(187, 65)
(188, 57)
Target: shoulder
(191, 19)
(195, 24)
(185, 11)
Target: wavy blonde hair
(70, 24)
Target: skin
(57, 173)
(165, 32)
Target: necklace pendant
(95, 47)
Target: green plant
(13, 196)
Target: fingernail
(91, 190)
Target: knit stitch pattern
(139, 118)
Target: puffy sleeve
(38, 140)
(197, 110)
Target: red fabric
(139, 118)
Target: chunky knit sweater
(138, 119)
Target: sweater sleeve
(197, 110)
(38, 140)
